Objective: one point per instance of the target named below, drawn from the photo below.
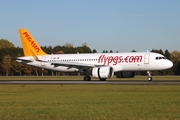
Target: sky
(117, 25)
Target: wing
(74, 65)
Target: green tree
(5, 44)
(57, 49)
(110, 51)
(167, 54)
(94, 51)
(27, 70)
(177, 72)
(69, 45)
(158, 51)
(105, 51)
(133, 50)
(175, 58)
(16, 67)
(5, 64)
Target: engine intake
(103, 72)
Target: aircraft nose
(170, 64)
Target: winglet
(29, 44)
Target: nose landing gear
(149, 76)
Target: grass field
(81, 78)
(89, 102)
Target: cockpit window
(159, 58)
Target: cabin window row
(74, 60)
(88, 59)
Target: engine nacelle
(103, 72)
(125, 74)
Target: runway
(114, 82)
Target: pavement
(114, 82)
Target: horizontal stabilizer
(24, 60)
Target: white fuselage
(133, 61)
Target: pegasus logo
(33, 44)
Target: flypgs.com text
(106, 60)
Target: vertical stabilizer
(29, 44)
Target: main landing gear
(149, 76)
(87, 78)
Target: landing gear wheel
(149, 78)
(102, 79)
(87, 78)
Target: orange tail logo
(29, 44)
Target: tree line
(9, 67)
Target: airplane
(98, 65)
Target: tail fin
(29, 44)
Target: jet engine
(125, 74)
(103, 72)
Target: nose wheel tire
(149, 78)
